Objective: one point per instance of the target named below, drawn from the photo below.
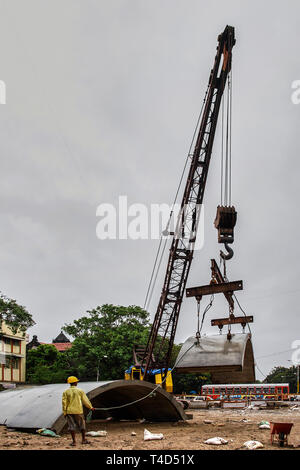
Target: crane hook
(229, 250)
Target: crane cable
(225, 180)
(157, 264)
(209, 305)
(226, 173)
(152, 393)
(226, 141)
(243, 311)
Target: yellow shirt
(72, 400)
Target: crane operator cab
(154, 376)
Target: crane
(184, 237)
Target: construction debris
(97, 433)
(264, 425)
(148, 436)
(253, 445)
(47, 432)
(294, 408)
(216, 441)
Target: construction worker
(73, 400)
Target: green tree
(185, 383)
(47, 365)
(104, 341)
(14, 315)
(282, 374)
(102, 347)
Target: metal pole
(98, 371)
(298, 379)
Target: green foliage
(282, 374)
(102, 346)
(15, 316)
(184, 383)
(104, 340)
(46, 365)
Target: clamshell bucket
(228, 361)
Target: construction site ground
(236, 426)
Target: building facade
(12, 355)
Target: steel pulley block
(225, 222)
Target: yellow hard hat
(72, 379)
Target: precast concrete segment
(41, 406)
(229, 361)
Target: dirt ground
(236, 426)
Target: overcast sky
(102, 99)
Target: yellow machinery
(136, 373)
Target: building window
(7, 362)
(15, 362)
(11, 362)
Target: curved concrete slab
(227, 361)
(40, 407)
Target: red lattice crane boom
(182, 247)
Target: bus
(247, 391)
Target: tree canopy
(104, 340)
(14, 315)
(282, 374)
(102, 348)
(45, 364)
(185, 383)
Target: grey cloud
(102, 99)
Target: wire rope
(155, 270)
(152, 391)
